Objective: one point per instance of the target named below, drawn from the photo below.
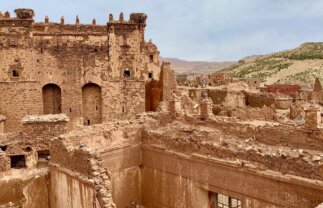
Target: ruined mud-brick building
(75, 134)
(92, 73)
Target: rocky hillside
(299, 65)
(196, 67)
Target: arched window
(52, 99)
(91, 104)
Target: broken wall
(67, 190)
(25, 188)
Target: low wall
(67, 190)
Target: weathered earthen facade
(91, 73)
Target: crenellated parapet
(135, 18)
(25, 18)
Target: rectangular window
(43, 154)
(15, 73)
(150, 75)
(126, 73)
(18, 161)
(223, 201)
(151, 57)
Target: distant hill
(300, 65)
(195, 67)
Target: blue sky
(215, 30)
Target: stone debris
(50, 118)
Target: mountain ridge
(300, 65)
(195, 67)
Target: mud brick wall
(134, 97)
(17, 100)
(4, 162)
(41, 133)
(167, 81)
(259, 100)
(69, 157)
(217, 96)
(33, 55)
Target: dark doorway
(52, 99)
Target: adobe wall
(164, 189)
(259, 100)
(173, 179)
(37, 193)
(19, 99)
(25, 188)
(39, 130)
(124, 166)
(263, 114)
(71, 56)
(221, 97)
(69, 191)
(217, 96)
(77, 172)
(167, 81)
(153, 95)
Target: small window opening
(96, 108)
(43, 155)
(126, 72)
(15, 73)
(88, 122)
(150, 75)
(3, 147)
(59, 109)
(70, 110)
(123, 110)
(18, 161)
(255, 82)
(151, 58)
(28, 149)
